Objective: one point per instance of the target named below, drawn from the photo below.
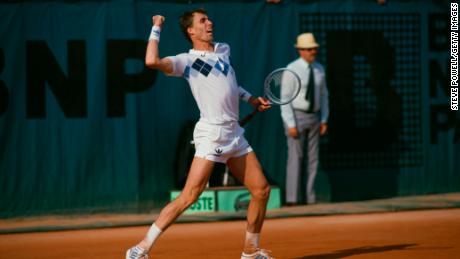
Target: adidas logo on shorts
(218, 152)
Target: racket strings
(282, 86)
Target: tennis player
(218, 137)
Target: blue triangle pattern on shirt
(219, 64)
(202, 67)
(187, 72)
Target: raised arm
(152, 57)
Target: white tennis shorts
(220, 142)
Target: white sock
(252, 240)
(152, 235)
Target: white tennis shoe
(259, 254)
(136, 252)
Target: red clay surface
(414, 234)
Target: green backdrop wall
(84, 126)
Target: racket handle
(248, 117)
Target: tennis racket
(280, 87)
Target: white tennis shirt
(212, 81)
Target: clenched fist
(158, 20)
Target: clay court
(410, 234)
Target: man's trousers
(303, 157)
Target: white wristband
(155, 33)
(244, 95)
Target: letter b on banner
(376, 95)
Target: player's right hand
(158, 20)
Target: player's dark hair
(186, 21)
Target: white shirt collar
(305, 63)
(203, 52)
